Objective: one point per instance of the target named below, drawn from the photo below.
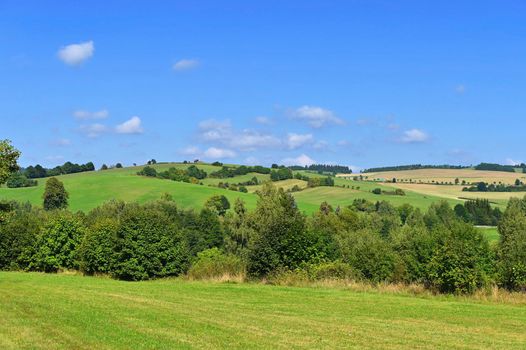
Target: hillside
(63, 312)
(441, 182)
(90, 189)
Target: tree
(118, 165)
(55, 195)
(8, 160)
(218, 203)
(104, 167)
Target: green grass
(91, 189)
(39, 311)
(491, 233)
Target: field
(448, 175)
(41, 311)
(450, 192)
(90, 189)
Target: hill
(89, 189)
(63, 311)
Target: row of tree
(519, 186)
(412, 167)
(325, 168)
(38, 171)
(365, 241)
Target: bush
(56, 247)
(18, 180)
(214, 264)
(96, 249)
(377, 191)
(462, 262)
(148, 244)
(148, 171)
(55, 195)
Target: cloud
(297, 140)
(218, 153)
(75, 54)
(86, 115)
(251, 160)
(301, 160)
(131, 126)
(264, 120)
(61, 142)
(460, 89)
(185, 64)
(190, 151)
(321, 145)
(414, 136)
(316, 117)
(56, 158)
(221, 132)
(93, 130)
(510, 161)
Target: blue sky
(360, 83)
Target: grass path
(40, 311)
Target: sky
(358, 83)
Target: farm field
(40, 311)
(90, 189)
(448, 175)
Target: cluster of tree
(396, 192)
(478, 212)
(116, 166)
(191, 175)
(233, 187)
(324, 168)
(413, 167)
(485, 187)
(499, 167)
(227, 172)
(367, 241)
(37, 171)
(17, 180)
(315, 181)
(281, 173)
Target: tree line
(324, 168)
(367, 241)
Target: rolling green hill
(90, 189)
(41, 311)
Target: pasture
(40, 311)
(90, 189)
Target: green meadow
(90, 189)
(57, 311)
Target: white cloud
(264, 120)
(93, 130)
(510, 161)
(460, 89)
(297, 140)
(185, 64)
(131, 126)
(87, 115)
(321, 145)
(218, 153)
(190, 151)
(414, 136)
(75, 54)
(221, 132)
(301, 160)
(251, 160)
(316, 117)
(61, 142)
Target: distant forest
(324, 168)
(38, 171)
(481, 166)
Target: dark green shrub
(96, 249)
(56, 247)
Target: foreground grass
(40, 311)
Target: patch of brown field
(446, 175)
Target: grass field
(39, 311)
(89, 190)
(448, 175)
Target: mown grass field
(39, 311)
(91, 189)
(448, 175)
